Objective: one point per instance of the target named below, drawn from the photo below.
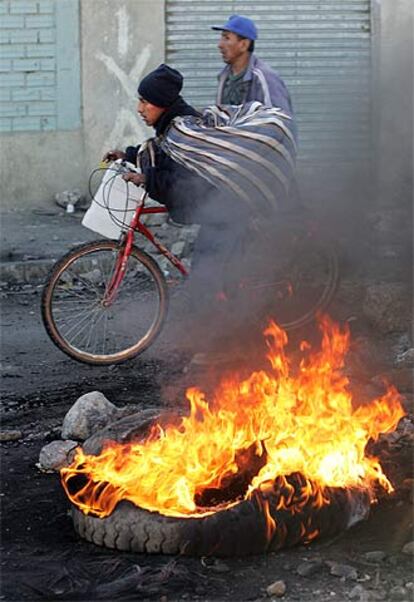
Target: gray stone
(277, 589)
(179, 248)
(10, 435)
(406, 359)
(307, 569)
(57, 454)
(408, 548)
(358, 593)
(398, 593)
(387, 306)
(375, 556)
(343, 570)
(88, 414)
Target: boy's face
(149, 113)
(232, 46)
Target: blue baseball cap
(243, 26)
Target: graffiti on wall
(127, 122)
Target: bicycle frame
(127, 242)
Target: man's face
(232, 47)
(149, 113)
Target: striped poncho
(250, 150)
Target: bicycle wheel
(80, 320)
(289, 276)
(309, 279)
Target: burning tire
(263, 522)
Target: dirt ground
(43, 558)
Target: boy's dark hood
(178, 109)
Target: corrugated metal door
(321, 48)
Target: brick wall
(33, 75)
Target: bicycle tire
(70, 288)
(327, 293)
(289, 311)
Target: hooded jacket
(266, 85)
(168, 182)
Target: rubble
(277, 589)
(89, 413)
(55, 455)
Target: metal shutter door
(321, 48)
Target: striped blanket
(249, 149)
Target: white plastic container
(114, 203)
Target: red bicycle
(104, 302)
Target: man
(247, 78)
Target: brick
(11, 109)
(46, 36)
(47, 65)
(23, 36)
(26, 65)
(26, 94)
(41, 50)
(48, 123)
(11, 22)
(41, 79)
(5, 95)
(4, 8)
(11, 79)
(42, 108)
(5, 124)
(22, 8)
(5, 65)
(12, 51)
(40, 21)
(26, 124)
(4, 36)
(46, 6)
(48, 93)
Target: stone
(277, 588)
(375, 556)
(179, 248)
(343, 570)
(358, 593)
(406, 359)
(398, 593)
(408, 548)
(307, 569)
(387, 306)
(55, 455)
(89, 413)
(10, 435)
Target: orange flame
(280, 420)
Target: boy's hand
(136, 178)
(113, 155)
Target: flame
(254, 431)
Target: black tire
(102, 334)
(239, 530)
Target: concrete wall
(394, 99)
(119, 42)
(122, 40)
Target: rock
(278, 589)
(408, 548)
(377, 595)
(375, 556)
(343, 570)
(307, 569)
(406, 359)
(358, 593)
(57, 454)
(398, 593)
(88, 414)
(388, 307)
(10, 435)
